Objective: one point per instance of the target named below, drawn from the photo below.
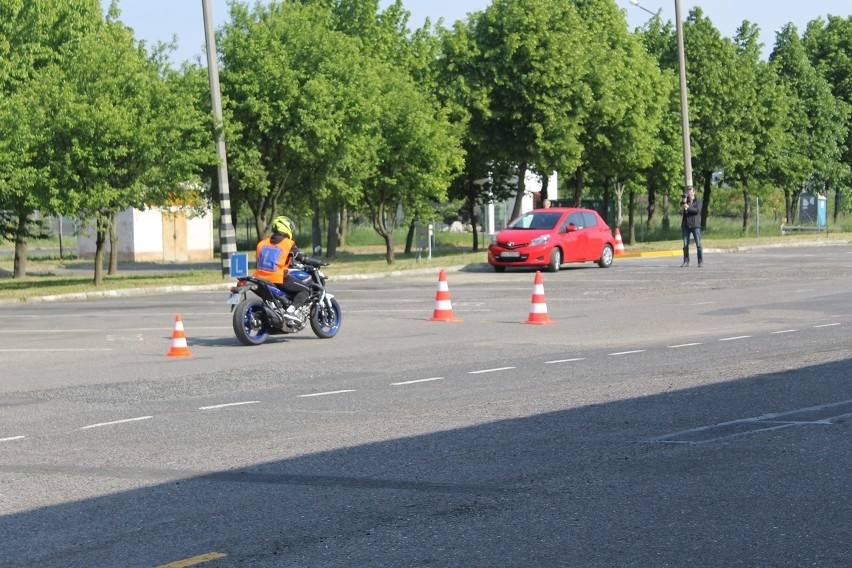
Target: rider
(274, 255)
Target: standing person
(691, 224)
(274, 255)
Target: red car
(551, 237)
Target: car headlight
(540, 240)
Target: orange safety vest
(273, 259)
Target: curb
(483, 267)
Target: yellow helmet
(282, 224)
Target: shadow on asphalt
(580, 487)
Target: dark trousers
(696, 235)
(299, 291)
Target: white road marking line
(325, 393)
(116, 422)
(12, 438)
(628, 352)
(490, 370)
(49, 350)
(417, 381)
(683, 345)
(784, 331)
(565, 360)
(735, 338)
(215, 406)
(826, 325)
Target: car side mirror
(570, 228)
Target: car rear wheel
(606, 257)
(555, 260)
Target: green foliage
(335, 107)
(299, 100)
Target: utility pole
(684, 104)
(227, 235)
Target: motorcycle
(260, 308)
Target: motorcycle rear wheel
(325, 321)
(251, 325)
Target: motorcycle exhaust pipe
(274, 317)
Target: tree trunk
(101, 230)
(837, 204)
(113, 243)
(579, 176)
(342, 227)
(619, 208)
(316, 229)
(666, 221)
(631, 208)
(389, 255)
(746, 210)
(705, 199)
(409, 237)
(20, 268)
(331, 233)
(519, 196)
(788, 206)
(652, 210)
(475, 221)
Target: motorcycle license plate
(234, 299)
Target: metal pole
(227, 235)
(757, 202)
(684, 104)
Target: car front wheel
(555, 260)
(606, 257)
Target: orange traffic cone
(538, 307)
(619, 244)
(443, 305)
(178, 348)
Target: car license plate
(234, 299)
(510, 255)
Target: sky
(160, 20)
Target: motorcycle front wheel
(251, 325)
(325, 320)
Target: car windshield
(536, 220)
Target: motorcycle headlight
(540, 240)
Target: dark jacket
(692, 215)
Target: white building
(496, 215)
(157, 235)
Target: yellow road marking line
(195, 560)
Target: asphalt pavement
(158, 268)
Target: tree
(664, 176)
(620, 127)
(417, 152)
(817, 121)
(829, 49)
(121, 133)
(716, 103)
(458, 88)
(532, 61)
(35, 35)
(763, 137)
(298, 98)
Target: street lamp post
(684, 103)
(227, 235)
